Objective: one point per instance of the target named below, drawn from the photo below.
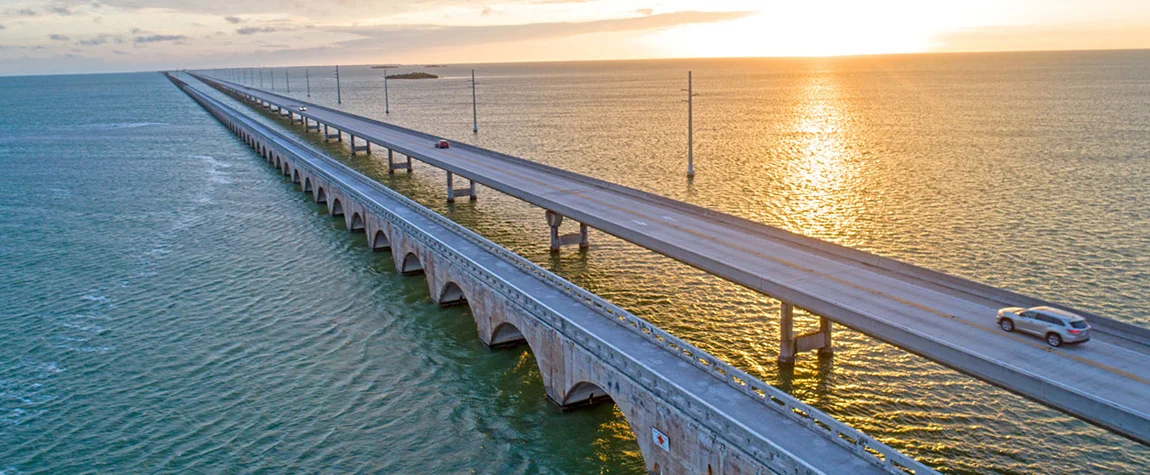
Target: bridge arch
(336, 207)
(379, 241)
(590, 391)
(410, 264)
(278, 164)
(356, 222)
(307, 184)
(506, 334)
(584, 393)
(320, 195)
(451, 294)
(295, 176)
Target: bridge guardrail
(765, 394)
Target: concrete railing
(767, 395)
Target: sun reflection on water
(823, 167)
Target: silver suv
(1057, 326)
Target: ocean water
(168, 303)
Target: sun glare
(816, 28)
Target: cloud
(251, 30)
(60, 10)
(57, 37)
(2, 27)
(158, 38)
(101, 40)
(1044, 37)
(26, 12)
(645, 11)
(427, 36)
(233, 19)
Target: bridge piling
(558, 241)
(392, 166)
(790, 345)
(469, 192)
(328, 136)
(366, 148)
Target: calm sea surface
(169, 303)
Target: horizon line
(607, 60)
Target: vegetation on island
(418, 75)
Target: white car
(302, 109)
(1057, 326)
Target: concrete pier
(790, 345)
(392, 165)
(327, 136)
(554, 220)
(469, 192)
(366, 147)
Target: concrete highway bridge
(691, 413)
(942, 317)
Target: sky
(71, 36)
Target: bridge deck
(807, 444)
(947, 319)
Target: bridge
(690, 412)
(942, 317)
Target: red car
(442, 144)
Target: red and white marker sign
(660, 439)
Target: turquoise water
(170, 303)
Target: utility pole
(474, 109)
(338, 94)
(690, 128)
(261, 78)
(386, 103)
(287, 79)
(307, 77)
(272, 77)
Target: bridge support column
(790, 345)
(558, 241)
(328, 136)
(366, 148)
(392, 166)
(308, 127)
(452, 192)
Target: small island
(385, 66)
(418, 75)
(435, 66)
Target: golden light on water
(822, 173)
